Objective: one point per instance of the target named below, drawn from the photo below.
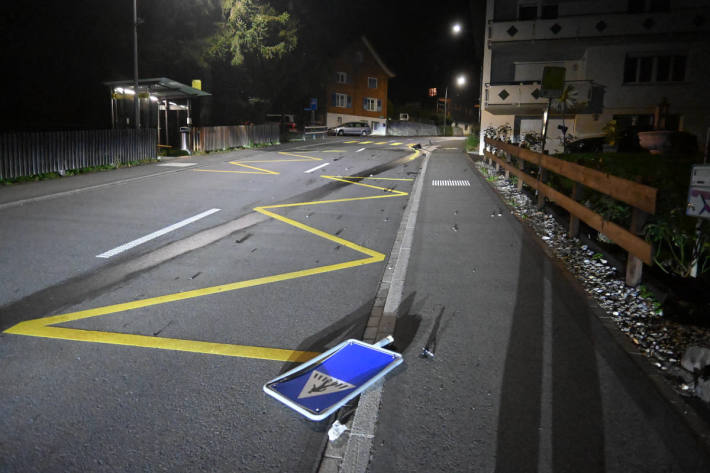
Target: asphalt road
(153, 358)
(525, 376)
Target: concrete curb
(353, 454)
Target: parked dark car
(287, 121)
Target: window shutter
(364, 103)
(379, 105)
(333, 100)
(350, 102)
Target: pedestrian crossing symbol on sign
(319, 384)
(318, 387)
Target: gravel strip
(635, 311)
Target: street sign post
(699, 192)
(322, 385)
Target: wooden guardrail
(640, 197)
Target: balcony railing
(585, 96)
(603, 25)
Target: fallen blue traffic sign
(322, 385)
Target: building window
(527, 12)
(548, 12)
(659, 5)
(342, 100)
(369, 104)
(372, 82)
(341, 77)
(643, 69)
(651, 6)
(635, 6)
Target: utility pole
(446, 99)
(136, 100)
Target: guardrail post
(634, 266)
(508, 158)
(521, 166)
(540, 195)
(577, 193)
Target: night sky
(57, 54)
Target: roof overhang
(159, 87)
(377, 57)
(515, 109)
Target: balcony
(523, 98)
(603, 25)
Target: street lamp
(456, 28)
(460, 81)
(136, 102)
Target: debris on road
(336, 430)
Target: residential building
(622, 59)
(357, 90)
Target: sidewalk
(524, 375)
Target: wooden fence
(29, 153)
(211, 138)
(640, 197)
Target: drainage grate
(451, 183)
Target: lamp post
(136, 103)
(460, 82)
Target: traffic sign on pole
(322, 385)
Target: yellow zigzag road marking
(43, 327)
(256, 170)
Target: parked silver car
(351, 128)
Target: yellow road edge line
(175, 344)
(285, 153)
(374, 178)
(234, 172)
(191, 294)
(275, 161)
(41, 327)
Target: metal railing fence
(412, 129)
(29, 153)
(211, 138)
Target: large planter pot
(657, 141)
(665, 141)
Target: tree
(253, 28)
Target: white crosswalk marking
(451, 183)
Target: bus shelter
(164, 104)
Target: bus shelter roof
(160, 87)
